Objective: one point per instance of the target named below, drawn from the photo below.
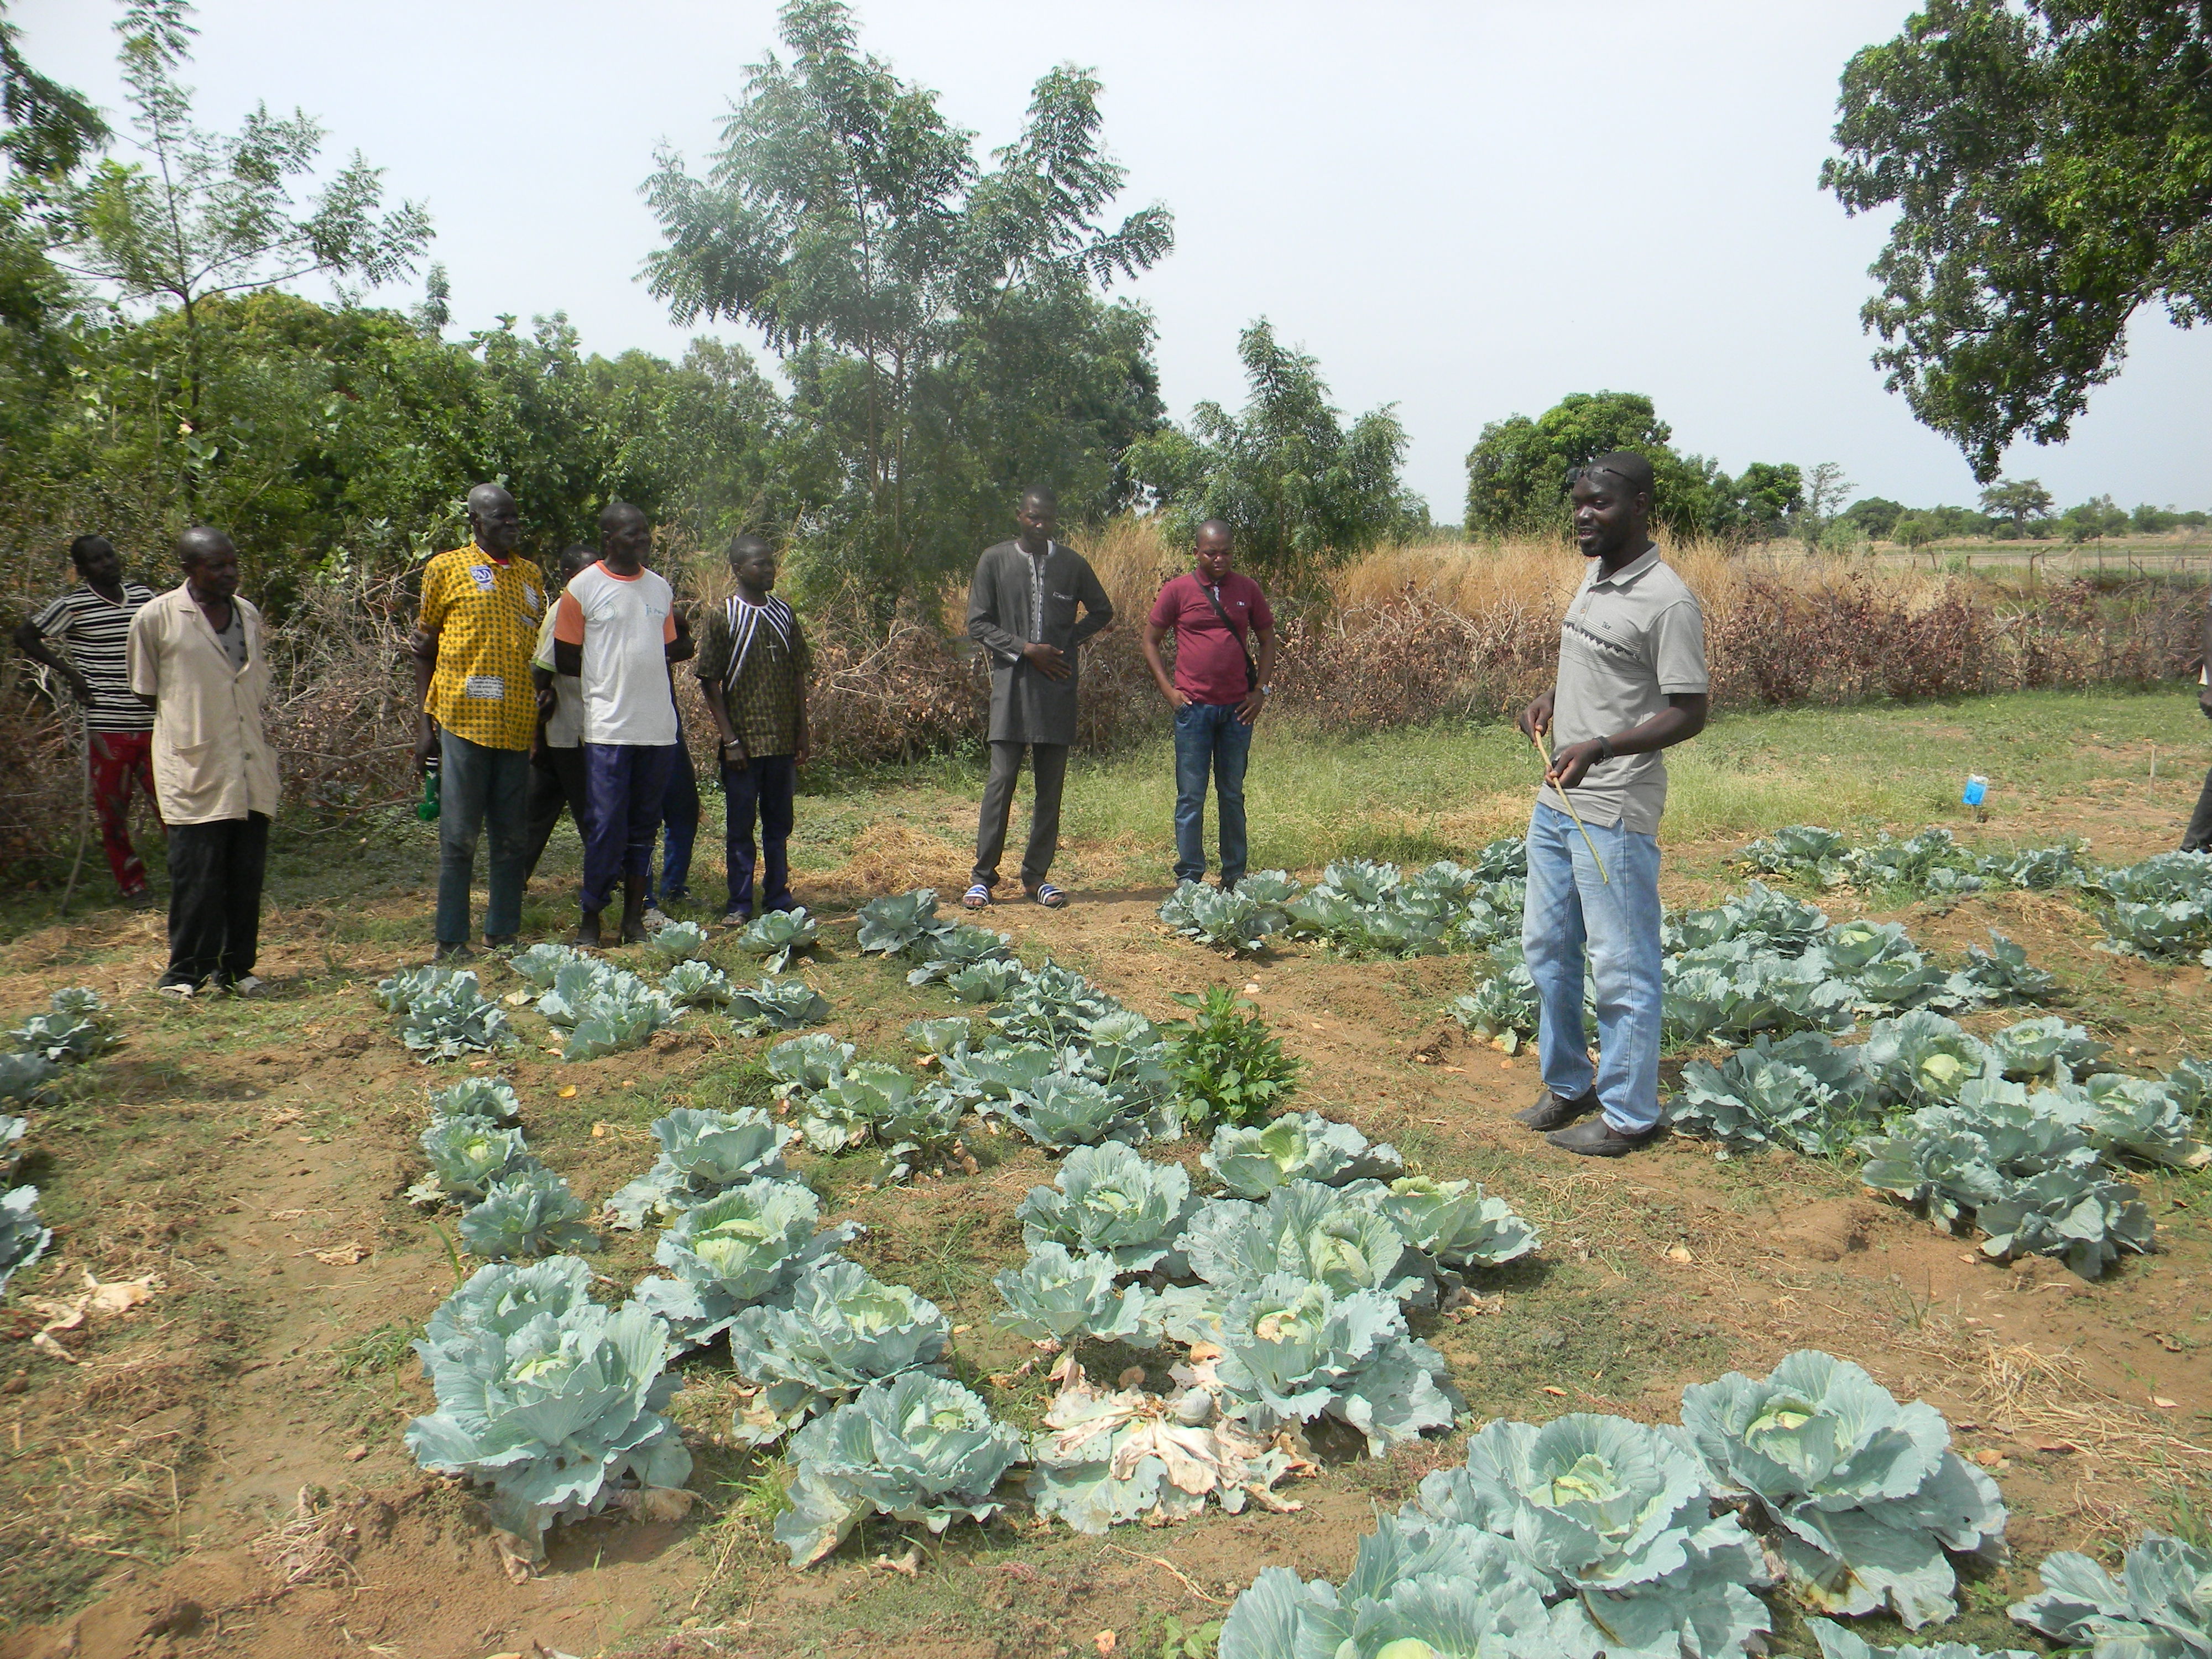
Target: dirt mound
(1831, 1229)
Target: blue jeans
(1209, 735)
(625, 784)
(1574, 918)
(679, 815)
(762, 785)
(484, 791)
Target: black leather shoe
(1598, 1139)
(1550, 1111)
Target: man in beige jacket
(195, 654)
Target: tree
(2094, 520)
(1913, 531)
(1517, 473)
(2047, 162)
(1762, 497)
(1302, 490)
(210, 216)
(1825, 489)
(929, 314)
(2018, 500)
(1875, 516)
(2149, 520)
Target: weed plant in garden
(1230, 1068)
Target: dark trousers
(1209, 737)
(679, 819)
(624, 784)
(763, 786)
(2199, 838)
(1048, 763)
(556, 780)
(214, 898)
(481, 790)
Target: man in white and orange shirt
(614, 629)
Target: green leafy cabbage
(838, 1330)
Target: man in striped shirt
(92, 624)
(753, 668)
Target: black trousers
(1048, 763)
(2199, 838)
(556, 780)
(214, 898)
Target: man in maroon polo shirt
(1218, 689)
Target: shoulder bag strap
(1251, 669)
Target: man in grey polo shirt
(1632, 682)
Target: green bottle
(427, 808)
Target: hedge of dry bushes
(1406, 636)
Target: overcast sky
(1466, 210)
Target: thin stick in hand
(1544, 750)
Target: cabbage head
(1922, 1058)
(961, 946)
(1837, 1642)
(1108, 1200)
(1454, 1225)
(777, 935)
(1419, 1589)
(556, 1415)
(1334, 1239)
(745, 1247)
(1058, 1295)
(839, 1331)
(986, 981)
(2072, 1212)
(1293, 1350)
(1252, 1160)
(900, 922)
(803, 1064)
(530, 1213)
(539, 964)
(501, 1298)
(467, 1154)
(678, 941)
(489, 1097)
(915, 1447)
(1066, 1109)
(22, 1076)
(1863, 1501)
(2048, 1047)
(1617, 1514)
(697, 984)
(777, 1004)
(2158, 1607)
(701, 1153)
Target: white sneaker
(176, 993)
(252, 985)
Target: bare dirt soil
(220, 1471)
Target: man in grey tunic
(1022, 610)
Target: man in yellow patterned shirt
(473, 638)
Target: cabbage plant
(530, 1212)
(1252, 1160)
(2003, 973)
(604, 1008)
(986, 981)
(2049, 1047)
(492, 1098)
(801, 1065)
(915, 1447)
(747, 1245)
(12, 1131)
(1617, 1515)
(1837, 1642)
(556, 1415)
(2158, 1607)
(1861, 1499)
(1419, 1589)
(1454, 1224)
(2143, 1118)
(955, 949)
(938, 1037)
(467, 1154)
(898, 922)
(702, 1154)
(778, 935)
(1052, 1005)
(1922, 1058)
(695, 984)
(1293, 1350)
(1233, 921)
(849, 1109)
(539, 964)
(2071, 1212)
(23, 1076)
(839, 1331)
(1334, 1239)
(1800, 1091)
(23, 1237)
(777, 1004)
(989, 1078)
(71, 1029)
(452, 1018)
(1065, 1110)
(678, 941)
(1058, 1294)
(499, 1299)
(1108, 1200)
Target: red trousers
(120, 759)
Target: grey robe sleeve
(983, 623)
(1098, 609)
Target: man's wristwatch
(1265, 691)
(1605, 745)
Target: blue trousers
(1576, 924)
(481, 790)
(764, 786)
(625, 784)
(1208, 735)
(679, 818)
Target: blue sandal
(977, 897)
(1049, 896)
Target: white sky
(1468, 210)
